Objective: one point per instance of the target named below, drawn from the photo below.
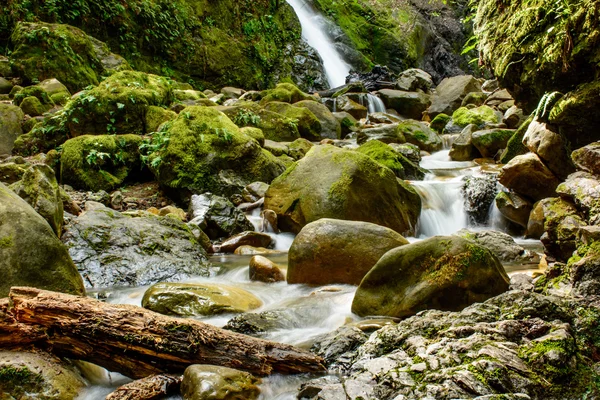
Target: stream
(319, 310)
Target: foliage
(246, 117)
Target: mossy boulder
(478, 116)
(384, 155)
(192, 299)
(385, 133)
(37, 375)
(330, 126)
(550, 146)
(444, 273)
(309, 126)
(407, 104)
(224, 159)
(355, 187)
(419, 134)
(40, 190)
(33, 107)
(30, 252)
(118, 105)
(255, 133)
(583, 189)
(100, 162)
(155, 117)
(331, 251)
(515, 146)
(11, 172)
(11, 118)
(346, 104)
(490, 141)
(286, 93)
(588, 158)
(33, 91)
(43, 51)
(45, 136)
(275, 127)
(298, 148)
(58, 93)
(208, 382)
(439, 122)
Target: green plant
(152, 147)
(94, 155)
(246, 117)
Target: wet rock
(254, 191)
(371, 80)
(211, 382)
(40, 190)
(334, 251)
(386, 133)
(414, 79)
(298, 148)
(251, 250)
(445, 273)
(479, 192)
(419, 134)
(347, 122)
(192, 299)
(264, 270)
(462, 147)
(308, 124)
(37, 375)
(354, 188)
(217, 216)
(502, 245)
(248, 238)
(479, 116)
(490, 141)
(588, 158)
(30, 252)
(339, 346)
(583, 189)
(408, 150)
(345, 104)
(113, 249)
(528, 176)
(514, 207)
(10, 126)
(407, 104)
(550, 146)
(330, 126)
(449, 94)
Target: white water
(314, 28)
(375, 104)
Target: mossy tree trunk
(139, 343)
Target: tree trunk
(150, 388)
(138, 343)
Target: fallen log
(137, 342)
(149, 388)
(14, 335)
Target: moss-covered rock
(155, 117)
(588, 158)
(30, 252)
(355, 187)
(37, 375)
(286, 93)
(191, 299)
(309, 126)
(275, 127)
(419, 134)
(384, 155)
(330, 126)
(407, 104)
(490, 141)
(298, 148)
(58, 93)
(439, 122)
(204, 382)
(478, 116)
(10, 127)
(515, 146)
(255, 133)
(443, 273)
(40, 190)
(43, 51)
(224, 159)
(33, 91)
(33, 107)
(100, 162)
(385, 133)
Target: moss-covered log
(138, 343)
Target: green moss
(18, 381)
(34, 91)
(275, 126)
(384, 155)
(33, 107)
(477, 116)
(439, 122)
(308, 124)
(6, 241)
(515, 146)
(285, 92)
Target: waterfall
(374, 104)
(314, 28)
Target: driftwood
(150, 388)
(138, 343)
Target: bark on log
(14, 335)
(150, 388)
(137, 342)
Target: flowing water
(314, 31)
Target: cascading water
(374, 104)
(314, 28)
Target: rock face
(211, 382)
(30, 252)
(588, 158)
(191, 299)
(514, 207)
(527, 175)
(444, 273)
(333, 251)
(479, 192)
(354, 188)
(490, 141)
(25, 375)
(517, 345)
(10, 127)
(40, 190)
(111, 248)
(226, 160)
(217, 216)
(450, 93)
(583, 189)
(500, 244)
(407, 104)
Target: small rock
(264, 270)
(211, 382)
(248, 238)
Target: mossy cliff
(208, 43)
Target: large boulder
(111, 248)
(478, 116)
(499, 243)
(386, 133)
(330, 182)
(334, 251)
(443, 273)
(193, 299)
(449, 94)
(550, 146)
(514, 207)
(309, 126)
(37, 375)
(275, 126)
(39, 188)
(225, 159)
(11, 118)
(330, 126)
(102, 162)
(30, 252)
(583, 189)
(490, 141)
(419, 134)
(462, 147)
(588, 158)
(217, 216)
(527, 175)
(42, 51)
(414, 79)
(286, 93)
(212, 382)
(345, 104)
(407, 104)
